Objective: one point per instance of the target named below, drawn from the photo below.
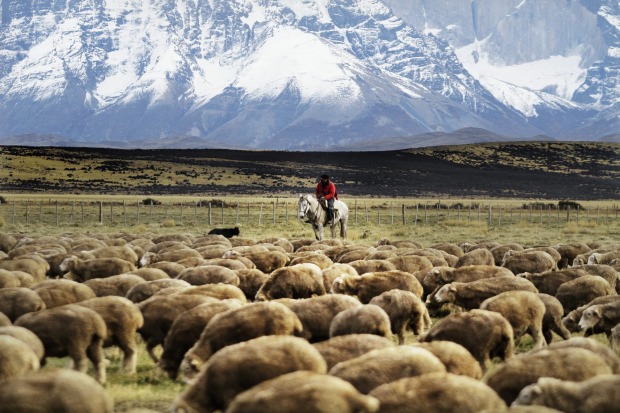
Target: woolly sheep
(237, 325)
(568, 252)
(501, 250)
(582, 290)
(438, 393)
(171, 268)
(524, 310)
(7, 241)
(303, 392)
(4, 320)
(485, 334)
(571, 363)
(185, 332)
(385, 365)
(14, 302)
(456, 358)
(614, 338)
(406, 311)
(334, 271)
(480, 256)
(365, 319)
(372, 284)
(266, 261)
(605, 271)
(601, 349)
(16, 359)
(57, 390)
(176, 255)
(439, 276)
(603, 258)
(219, 291)
(601, 317)
(342, 348)
(250, 281)
(411, 263)
(143, 291)
(365, 266)
(124, 252)
(31, 266)
(117, 285)
(548, 282)
(552, 320)
(24, 279)
(70, 330)
(450, 248)
(82, 270)
(27, 337)
(9, 280)
(321, 260)
(209, 274)
(529, 261)
(571, 320)
(598, 394)
(296, 281)
(57, 292)
(241, 366)
(151, 273)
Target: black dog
(227, 232)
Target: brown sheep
(480, 256)
(124, 252)
(485, 334)
(439, 276)
(209, 274)
(351, 254)
(143, 291)
(27, 337)
(365, 319)
(582, 290)
(347, 347)
(7, 241)
(28, 265)
(296, 281)
(16, 359)
(510, 377)
(381, 254)
(23, 278)
(9, 280)
(321, 260)
(117, 285)
(150, 273)
(266, 261)
(438, 393)
(569, 252)
(614, 338)
(601, 317)
(524, 310)
(123, 319)
(175, 255)
(219, 291)
(605, 271)
(571, 320)
(185, 332)
(4, 320)
(82, 270)
(303, 391)
(317, 313)
(14, 302)
(250, 281)
(70, 330)
(598, 394)
(237, 325)
(548, 282)
(385, 365)
(365, 266)
(241, 366)
(334, 271)
(406, 311)
(159, 313)
(456, 358)
(604, 258)
(552, 320)
(372, 284)
(450, 248)
(438, 258)
(529, 261)
(57, 390)
(411, 263)
(501, 250)
(171, 268)
(601, 349)
(55, 293)
(549, 250)
(471, 294)
(233, 264)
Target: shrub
(564, 205)
(148, 201)
(2, 199)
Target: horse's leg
(332, 227)
(343, 227)
(318, 231)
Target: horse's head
(303, 206)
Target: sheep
(406, 311)
(297, 243)
(279, 242)
(595, 346)
(552, 320)
(450, 248)
(436, 257)
(317, 313)
(250, 281)
(334, 271)
(142, 291)
(342, 348)
(382, 254)
(185, 332)
(266, 261)
(14, 302)
(23, 279)
(209, 252)
(471, 294)
(82, 270)
(411, 263)
(480, 256)
(231, 263)
(568, 252)
(365, 266)
(529, 261)
(353, 254)
(59, 390)
(159, 312)
(171, 268)
(296, 281)
(603, 257)
(70, 330)
(117, 285)
(571, 320)
(303, 391)
(614, 338)
(365, 319)
(501, 250)
(485, 334)
(372, 284)
(209, 274)
(524, 310)
(31, 266)
(582, 290)
(27, 337)
(176, 255)
(55, 293)
(237, 325)
(437, 393)
(439, 276)
(598, 394)
(7, 241)
(123, 319)
(571, 363)
(601, 317)
(4, 320)
(241, 366)
(124, 252)
(385, 365)
(548, 282)
(456, 358)
(151, 273)
(16, 359)
(606, 271)
(321, 260)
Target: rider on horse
(326, 192)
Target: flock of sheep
(301, 325)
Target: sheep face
(146, 259)
(446, 294)
(67, 264)
(590, 317)
(529, 395)
(338, 286)
(594, 258)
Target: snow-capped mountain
(294, 74)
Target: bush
(149, 201)
(564, 205)
(2, 199)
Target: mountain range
(307, 74)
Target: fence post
(356, 212)
(248, 212)
(597, 214)
(417, 206)
(41, 212)
(366, 208)
(260, 214)
(195, 213)
(237, 214)
(124, 214)
(81, 210)
(137, 212)
(392, 211)
(209, 213)
(27, 212)
(286, 211)
(499, 218)
(578, 209)
(490, 216)
(425, 213)
(404, 219)
(378, 215)
(111, 213)
(222, 212)
(540, 214)
(273, 209)
(13, 213)
(151, 212)
(479, 205)
(72, 207)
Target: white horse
(310, 208)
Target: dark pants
(330, 209)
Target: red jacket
(328, 191)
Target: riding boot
(330, 216)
